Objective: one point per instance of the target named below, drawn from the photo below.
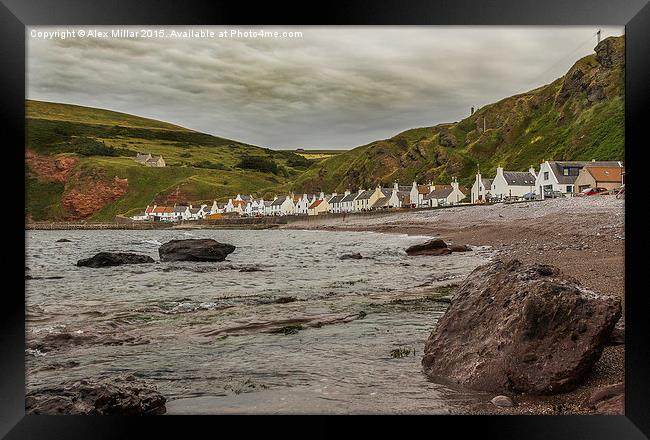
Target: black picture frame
(15, 15)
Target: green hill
(580, 116)
(80, 164)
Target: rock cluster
(122, 395)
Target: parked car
(594, 191)
(530, 196)
(550, 194)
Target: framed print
(403, 209)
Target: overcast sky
(336, 87)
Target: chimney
(499, 171)
(347, 193)
(454, 183)
(532, 171)
(360, 190)
(396, 186)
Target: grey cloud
(337, 87)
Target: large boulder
(431, 247)
(522, 328)
(195, 250)
(105, 259)
(122, 395)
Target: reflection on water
(283, 325)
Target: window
(565, 171)
(545, 175)
(569, 188)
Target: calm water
(212, 336)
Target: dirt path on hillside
(583, 236)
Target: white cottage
(301, 203)
(335, 202)
(444, 195)
(515, 184)
(481, 188)
(417, 194)
(347, 202)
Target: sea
(283, 325)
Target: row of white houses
(415, 196)
(564, 177)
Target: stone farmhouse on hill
(150, 161)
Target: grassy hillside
(73, 150)
(580, 116)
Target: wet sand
(583, 236)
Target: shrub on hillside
(298, 161)
(258, 163)
(208, 164)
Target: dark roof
(280, 200)
(404, 193)
(350, 197)
(487, 183)
(245, 198)
(405, 188)
(380, 202)
(336, 199)
(387, 192)
(180, 208)
(519, 178)
(441, 192)
(365, 195)
(194, 210)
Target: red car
(594, 191)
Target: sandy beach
(583, 236)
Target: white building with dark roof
(347, 202)
(515, 184)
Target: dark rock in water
(355, 256)
(285, 299)
(523, 328)
(251, 269)
(502, 401)
(63, 240)
(195, 250)
(431, 247)
(609, 399)
(105, 259)
(459, 248)
(122, 395)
